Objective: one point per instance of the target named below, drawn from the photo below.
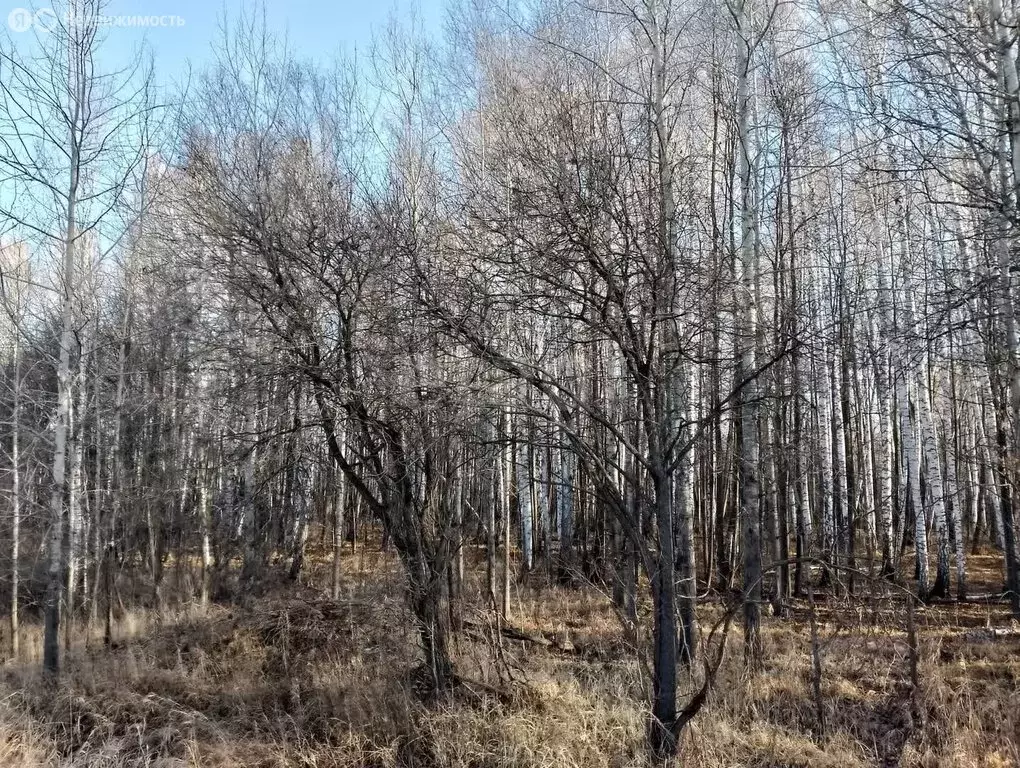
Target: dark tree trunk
(662, 728)
(426, 599)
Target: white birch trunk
(61, 421)
(745, 341)
(936, 492)
(955, 511)
(524, 504)
(911, 461)
(1005, 24)
(74, 510)
(16, 497)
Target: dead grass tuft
(293, 679)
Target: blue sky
(314, 28)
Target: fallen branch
(550, 640)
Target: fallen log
(550, 640)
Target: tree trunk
(16, 496)
(52, 605)
(745, 342)
(426, 593)
(664, 630)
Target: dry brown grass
(297, 680)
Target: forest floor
(295, 679)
